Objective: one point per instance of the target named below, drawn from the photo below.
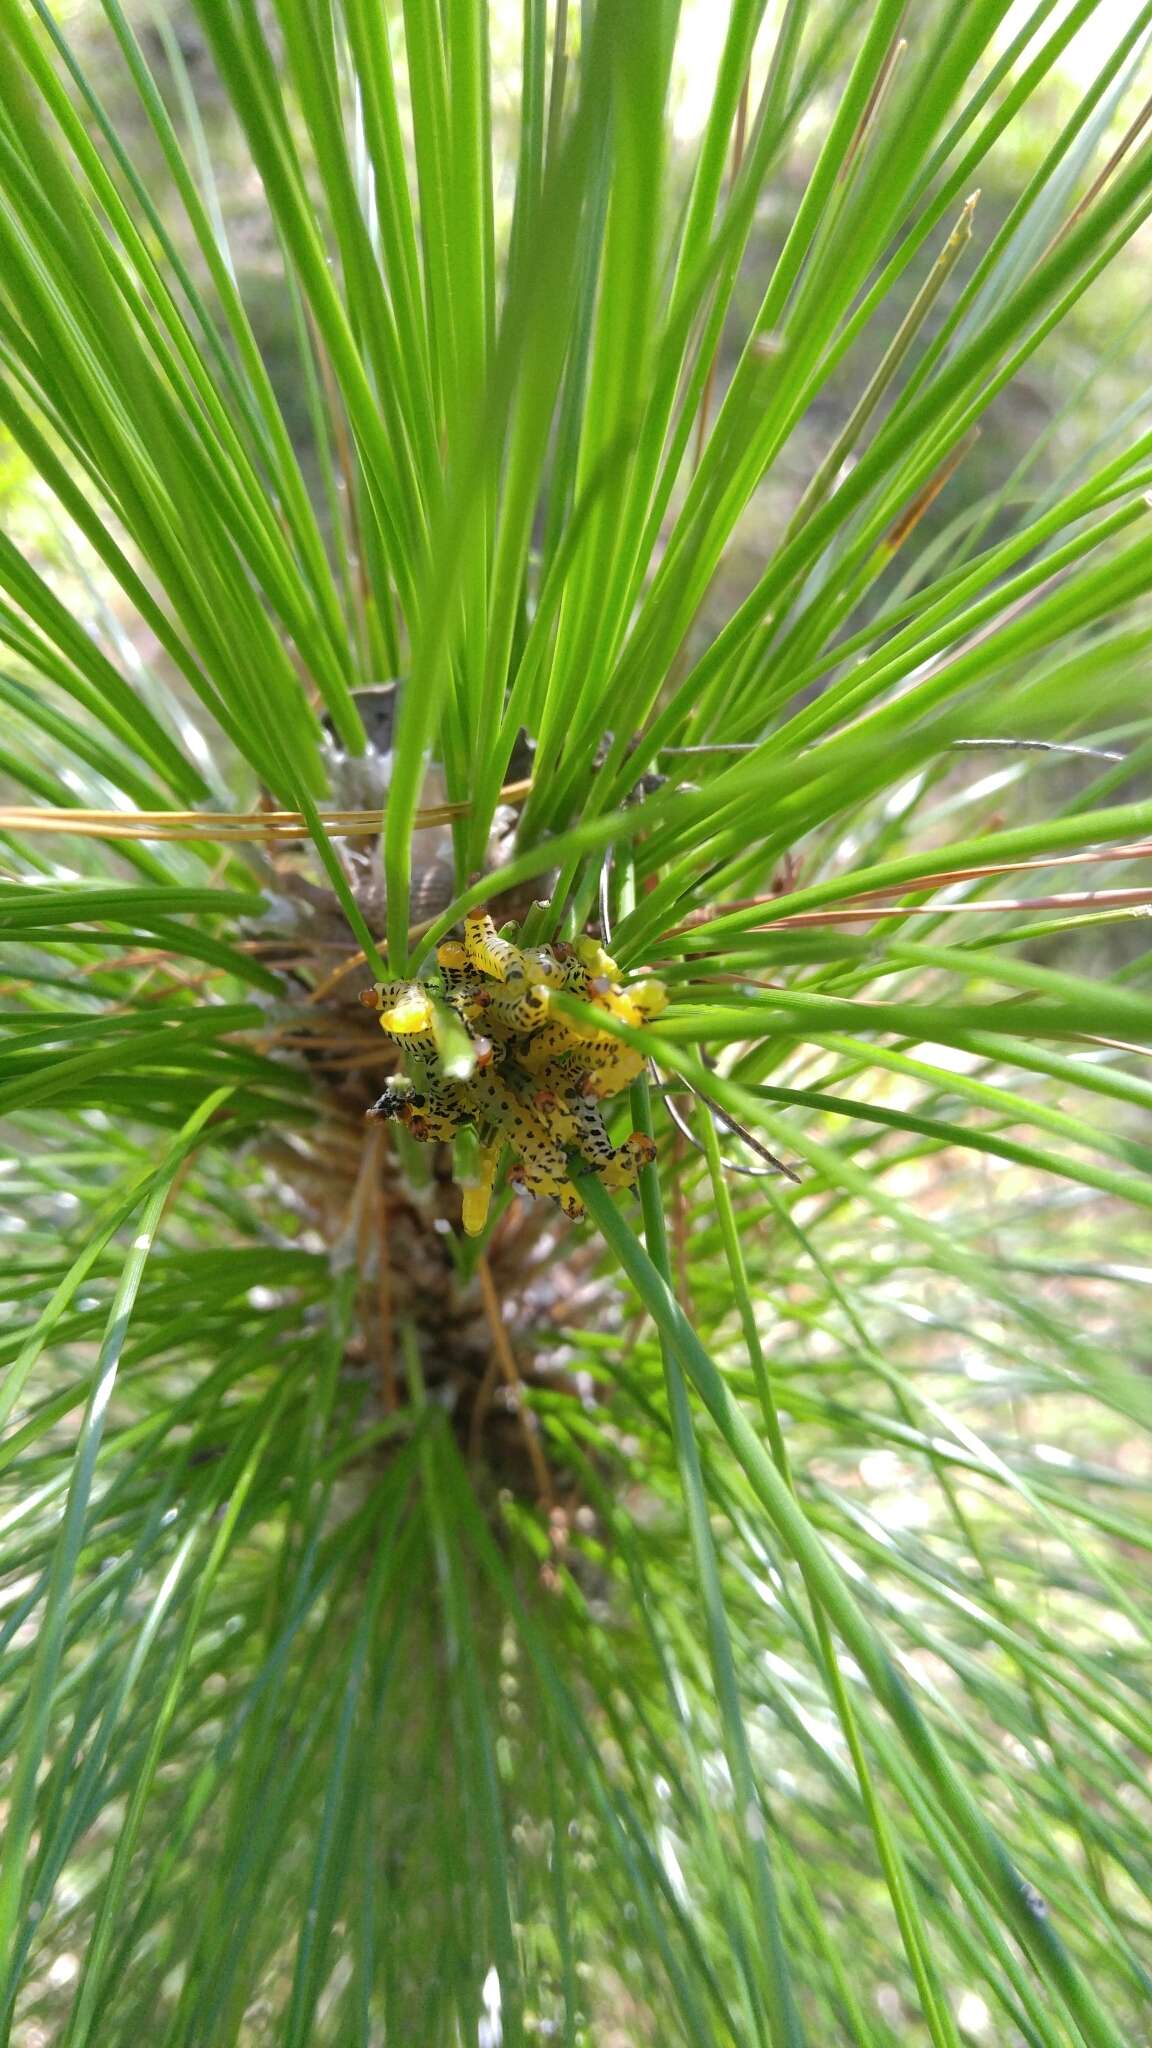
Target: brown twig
(910, 518)
(331, 981)
(876, 98)
(505, 1359)
(1098, 184)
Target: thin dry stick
(506, 1360)
(129, 1002)
(1098, 184)
(872, 110)
(910, 518)
(945, 877)
(363, 1202)
(222, 825)
(481, 1405)
(1087, 899)
(337, 975)
(920, 885)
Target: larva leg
(635, 1005)
(576, 1119)
(498, 1104)
(432, 1113)
(456, 968)
(392, 1106)
(618, 1071)
(595, 961)
(433, 1118)
(649, 999)
(519, 1008)
(554, 1041)
(545, 964)
(626, 1161)
(559, 1070)
(598, 1054)
(530, 1176)
(542, 1165)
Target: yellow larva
(478, 1198)
(518, 1008)
(405, 1013)
(455, 966)
(538, 1078)
(488, 951)
(579, 1121)
(617, 1071)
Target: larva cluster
(538, 1077)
